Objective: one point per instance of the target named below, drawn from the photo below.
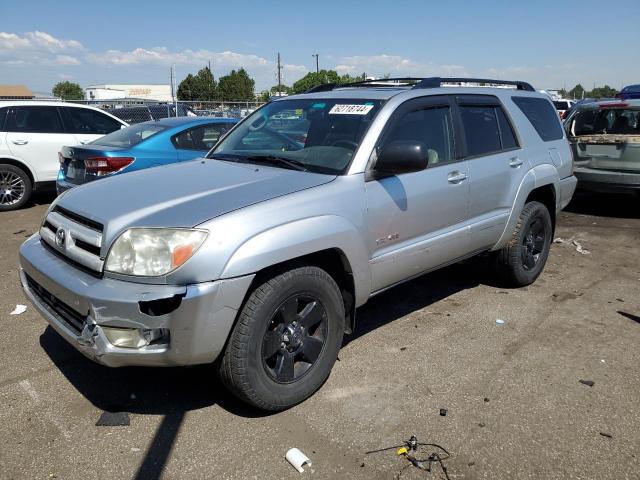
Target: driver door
(418, 221)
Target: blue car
(139, 146)
(629, 92)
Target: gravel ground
(515, 404)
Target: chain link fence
(136, 111)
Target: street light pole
(317, 55)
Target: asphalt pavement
(515, 404)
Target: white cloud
(36, 48)
(396, 65)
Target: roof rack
(428, 82)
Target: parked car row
(42, 143)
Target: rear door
(35, 135)
(497, 165)
(87, 124)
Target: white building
(157, 92)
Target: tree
(283, 89)
(198, 87)
(602, 92)
(313, 79)
(577, 91)
(237, 86)
(68, 91)
(264, 96)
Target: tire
(285, 378)
(15, 187)
(521, 261)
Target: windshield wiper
(287, 163)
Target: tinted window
(33, 119)
(201, 138)
(431, 126)
(83, 120)
(542, 116)
(506, 131)
(603, 121)
(3, 115)
(480, 129)
(130, 136)
(561, 105)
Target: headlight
(151, 252)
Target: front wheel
(521, 261)
(286, 339)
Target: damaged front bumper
(195, 320)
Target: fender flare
(11, 160)
(303, 237)
(538, 176)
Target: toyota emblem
(60, 238)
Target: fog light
(134, 337)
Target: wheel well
(334, 262)
(21, 166)
(547, 196)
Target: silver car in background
(256, 257)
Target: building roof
(15, 91)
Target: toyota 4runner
(257, 256)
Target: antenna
(279, 76)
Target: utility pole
(279, 75)
(174, 88)
(317, 55)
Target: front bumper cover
(198, 327)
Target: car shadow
(421, 292)
(605, 204)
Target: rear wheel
(521, 261)
(15, 187)
(286, 339)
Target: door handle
(456, 177)
(516, 162)
(20, 142)
(84, 142)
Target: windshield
(316, 135)
(599, 121)
(561, 105)
(130, 136)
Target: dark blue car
(139, 146)
(629, 92)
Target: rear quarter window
(542, 115)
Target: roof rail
(429, 82)
(435, 82)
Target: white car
(31, 135)
(562, 105)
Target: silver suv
(256, 257)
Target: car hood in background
(183, 194)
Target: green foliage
(283, 89)
(264, 96)
(201, 86)
(68, 91)
(579, 92)
(237, 86)
(313, 79)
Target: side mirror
(402, 156)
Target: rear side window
(203, 137)
(36, 119)
(506, 131)
(84, 120)
(542, 115)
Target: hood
(183, 194)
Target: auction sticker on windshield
(350, 109)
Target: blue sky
(549, 43)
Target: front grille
(72, 319)
(76, 238)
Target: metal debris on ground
(113, 419)
(589, 383)
(409, 450)
(297, 459)
(605, 434)
(20, 309)
(19, 232)
(580, 248)
(443, 412)
(499, 321)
